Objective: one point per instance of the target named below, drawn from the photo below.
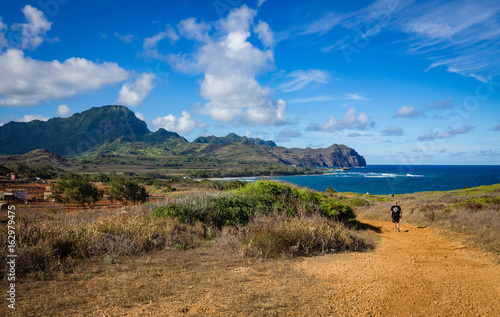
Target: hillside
(37, 158)
(232, 138)
(115, 132)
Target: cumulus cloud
(393, 131)
(140, 116)
(63, 110)
(132, 94)
(34, 32)
(446, 134)
(230, 63)
(26, 81)
(32, 117)
(150, 44)
(301, 78)
(407, 112)
(193, 30)
(351, 120)
(264, 33)
(184, 124)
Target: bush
(253, 200)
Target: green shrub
(259, 198)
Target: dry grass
(301, 236)
(48, 241)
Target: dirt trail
(414, 272)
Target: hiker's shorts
(395, 220)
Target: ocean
(398, 179)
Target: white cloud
(3, 40)
(192, 30)
(346, 96)
(181, 125)
(355, 97)
(289, 133)
(63, 110)
(462, 36)
(446, 134)
(303, 77)
(351, 120)
(140, 116)
(34, 32)
(31, 117)
(26, 81)
(150, 44)
(260, 2)
(229, 64)
(328, 21)
(393, 131)
(440, 104)
(132, 94)
(264, 33)
(408, 112)
(168, 33)
(124, 38)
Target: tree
(74, 188)
(126, 189)
(100, 177)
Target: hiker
(396, 215)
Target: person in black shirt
(396, 215)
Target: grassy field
(244, 246)
(264, 219)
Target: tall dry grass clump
(274, 236)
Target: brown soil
(415, 272)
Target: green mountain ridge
(231, 138)
(110, 133)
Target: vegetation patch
(274, 236)
(261, 198)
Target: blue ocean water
(400, 179)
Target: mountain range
(116, 131)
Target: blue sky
(402, 82)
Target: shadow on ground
(365, 226)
